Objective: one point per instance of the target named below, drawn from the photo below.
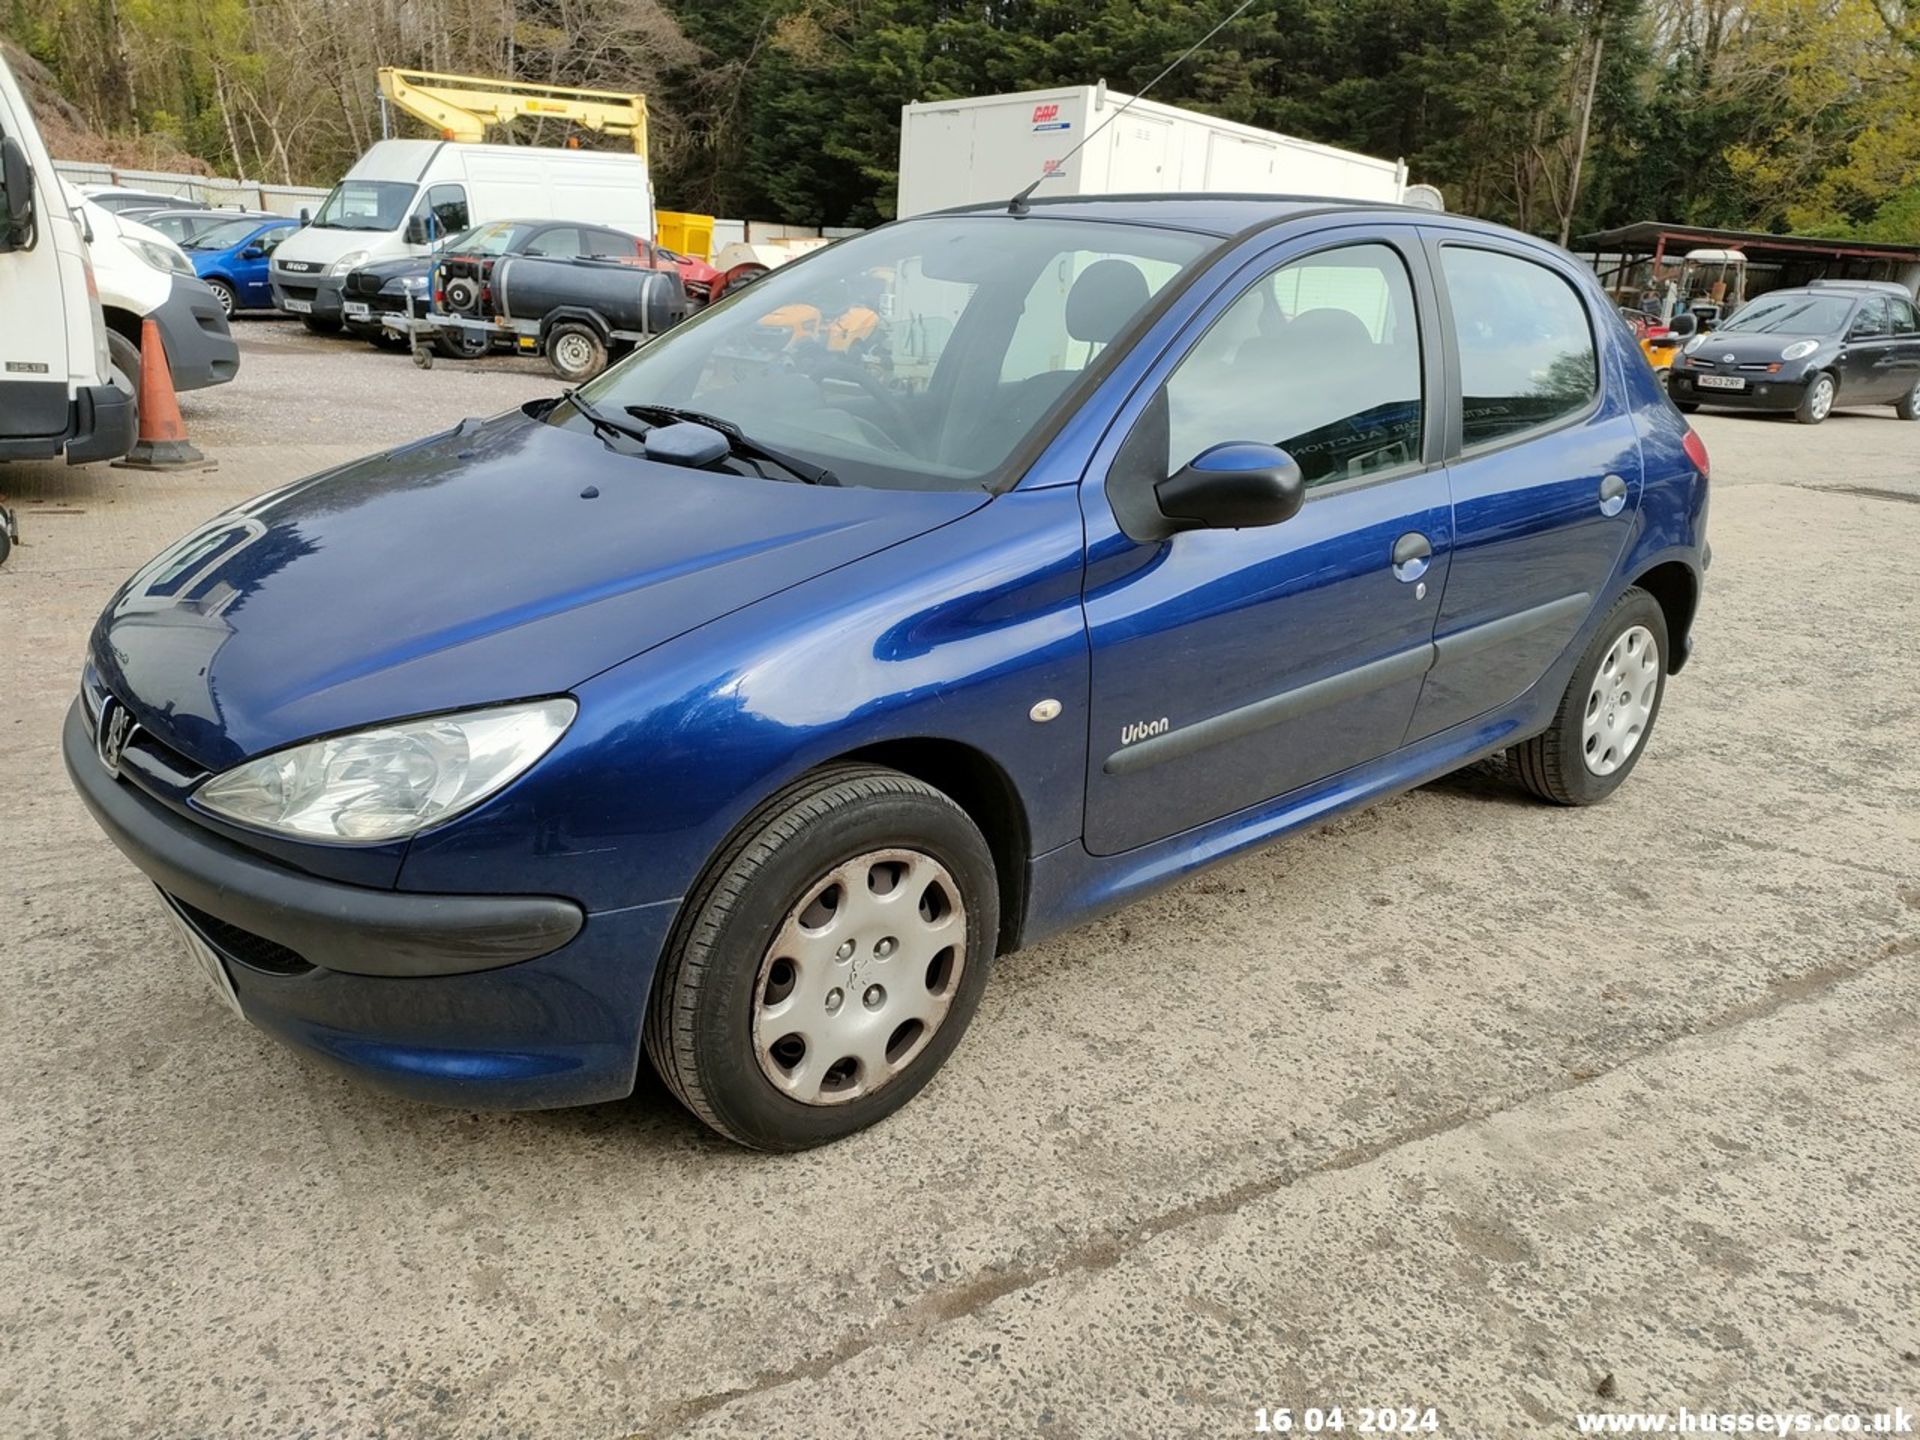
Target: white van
(57, 395)
(403, 196)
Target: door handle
(1613, 496)
(1411, 554)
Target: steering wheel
(833, 366)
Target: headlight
(162, 257)
(1694, 344)
(1799, 349)
(391, 781)
(351, 260)
(414, 282)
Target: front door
(1870, 367)
(1545, 480)
(1233, 666)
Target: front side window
(1321, 358)
(1527, 355)
(916, 356)
(365, 205)
(557, 242)
(1870, 322)
(446, 209)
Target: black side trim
(1274, 710)
(1510, 627)
(339, 927)
(1347, 685)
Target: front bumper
(201, 350)
(316, 295)
(1763, 392)
(504, 1002)
(97, 423)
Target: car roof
(1205, 212)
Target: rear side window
(1527, 355)
(612, 245)
(1903, 321)
(1321, 357)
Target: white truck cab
(57, 394)
(403, 196)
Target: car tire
(123, 364)
(320, 325)
(460, 344)
(724, 984)
(575, 351)
(1607, 712)
(1907, 407)
(223, 292)
(1818, 402)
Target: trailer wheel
(575, 351)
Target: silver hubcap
(1621, 701)
(861, 975)
(225, 297)
(1822, 400)
(573, 353)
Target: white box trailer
(969, 152)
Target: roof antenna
(1018, 205)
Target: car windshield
(223, 235)
(365, 205)
(1798, 314)
(917, 356)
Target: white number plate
(298, 307)
(1719, 382)
(204, 960)
(354, 310)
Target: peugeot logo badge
(116, 728)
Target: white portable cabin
(969, 152)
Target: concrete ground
(1464, 1102)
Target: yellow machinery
(463, 107)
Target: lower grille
(240, 945)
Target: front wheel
(320, 325)
(829, 961)
(1817, 403)
(223, 292)
(1600, 730)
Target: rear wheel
(575, 351)
(828, 962)
(1606, 714)
(1817, 403)
(1907, 407)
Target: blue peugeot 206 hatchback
(933, 593)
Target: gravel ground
(1463, 1102)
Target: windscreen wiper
(602, 422)
(743, 444)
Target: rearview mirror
(1233, 487)
(1684, 326)
(16, 195)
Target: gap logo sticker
(1047, 117)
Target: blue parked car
(937, 591)
(232, 259)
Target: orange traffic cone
(163, 434)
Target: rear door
(1545, 475)
(1906, 345)
(1234, 666)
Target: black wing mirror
(1684, 326)
(1233, 487)
(16, 195)
(417, 233)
